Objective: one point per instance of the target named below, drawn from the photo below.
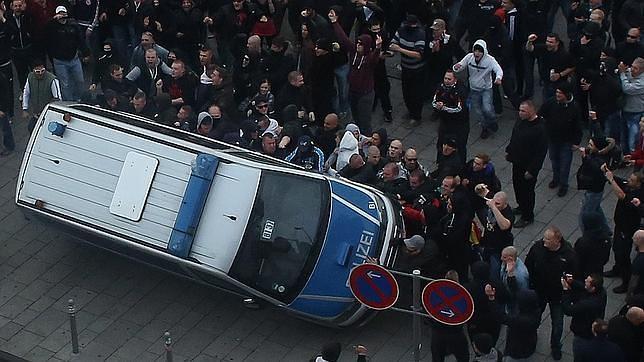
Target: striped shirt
(413, 39)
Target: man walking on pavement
(7, 134)
(526, 151)
(481, 67)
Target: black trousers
(22, 59)
(524, 191)
(7, 134)
(412, 87)
(622, 246)
(7, 71)
(449, 341)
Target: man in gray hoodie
(484, 71)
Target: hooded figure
(483, 320)
(348, 146)
(481, 68)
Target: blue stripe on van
(350, 239)
(192, 205)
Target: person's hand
(585, 87)
(263, 19)
(177, 124)
(3, 10)
(481, 190)
(498, 81)
(574, 147)
(528, 176)
(511, 265)
(88, 32)
(584, 40)
(180, 35)
(582, 150)
(333, 17)
(532, 38)
(159, 84)
(158, 26)
(565, 284)
(490, 292)
(609, 175)
(378, 41)
(621, 67)
(312, 116)
(636, 202)
(300, 114)
(122, 12)
(2, 114)
(574, 5)
(361, 2)
(86, 59)
(59, 16)
(440, 105)
(394, 47)
(555, 77)
(580, 20)
(102, 18)
(360, 349)
(457, 66)
(490, 203)
(25, 114)
(92, 87)
(208, 20)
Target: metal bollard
(168, 347)
(416, 318)
(71, 310)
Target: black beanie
(331, 351)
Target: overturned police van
(215, 213)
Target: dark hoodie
(483, 320)
(521, 338)
(362, 65)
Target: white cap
(61, 9)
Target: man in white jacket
(484, 71)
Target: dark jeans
(21, 59)
(382, 87)
(561, 157)
(361, 110)
(7, 134)
(412, 86)
(524, 192)
(556, 321)
(622, 245)
(7, 71)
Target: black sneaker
(388, 116)
(552, 184)
(620, 289)
(611, 274)
(556, 354)
(522, 223)
(563, 190)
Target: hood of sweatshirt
(367, 42)
(483, 44)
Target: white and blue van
(218, 214)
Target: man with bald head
(358, 171)
(374, 159)
(391, 182)
(395, 151)
(636, 283)
(627, 331)
(325, 138)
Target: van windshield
(284, 235)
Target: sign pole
(416, 317)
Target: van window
(284, 234)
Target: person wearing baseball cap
(65, 41)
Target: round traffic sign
(373, 286)
(448, 302)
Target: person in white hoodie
(484, 71)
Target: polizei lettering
(364, 245)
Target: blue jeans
(630, 130)
(124, 41)
(592, 204)
(613, 126)
(556, 320)
(561, 157)
(565, 9)
(341, 101)
(70, 75)
(483, 109)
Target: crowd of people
(224, 70)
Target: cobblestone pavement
(125, 307)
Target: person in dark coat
(627, 331)
(480, 170)
(521, 335)
(453, 233)
(483, 320)
(449, 160)
(562, 117)
(598, 348)
(526, 151)
(584, 303)
(593, 247)
(547, 260)
(322, 78)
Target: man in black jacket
(547, 260)
(562, 118)
(526, 152)
(65, 41)
(583, 305)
